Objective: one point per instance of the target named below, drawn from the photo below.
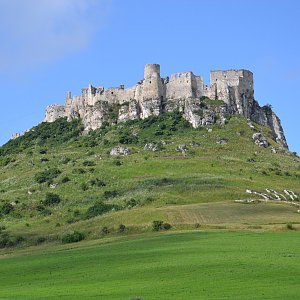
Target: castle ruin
(154, 95)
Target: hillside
(53, 181)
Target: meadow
(189, 265)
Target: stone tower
(153, 91)
(235, 88)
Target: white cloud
(36, 32)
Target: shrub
(97, 209)
(104, 230)
(73, 237)
(118, 163)
(166, 226)
(122, 228)
(97, 182)
(47, 175)
(51, 199)
(131, 203)
(10, 241)
(160, 225)
(79, 171)
(65, 179)
(6, 208)
(290, 226)
(43, 151)
(89, 163)
(40, 240)
(110, 194)
(156, 225)
(65, 160)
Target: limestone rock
(260, 140)
(151, 146)
(182, 148)
(222, 142)
(54, 112)
(120, 151)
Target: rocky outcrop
(230, 92)
(260, 140)
(120, 151)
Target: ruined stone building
(154, 95)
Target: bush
(97, 182)
(166, 226)
(89, 163)
(131, 203)
(6, 208)
(104, 230)
(118, 163)
(51, 199)
(73, 237)
(65, 179)
(40, 240)
(47, 175)
(98, 209)
(110, 194)
(156, 225)
(10, 241)
(122, 228)
(160, 225)
(290, 226)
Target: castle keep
(182, 91)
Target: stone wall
(182, 91)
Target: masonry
(154, 95)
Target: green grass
(198, 265)
(182, 189)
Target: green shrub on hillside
(97, 209)
(6, 209)
(73, 237)
(97, 182)
(47, 175)
(51, 199)
(10, 241)
(160, 225)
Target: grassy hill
(53, 181)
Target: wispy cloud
(36, 32)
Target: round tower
(151, 69)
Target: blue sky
(49, 47)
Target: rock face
(230, 92)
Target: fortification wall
(153, 95)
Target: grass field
(198, 265)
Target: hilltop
(230, 92)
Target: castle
(182, 91)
